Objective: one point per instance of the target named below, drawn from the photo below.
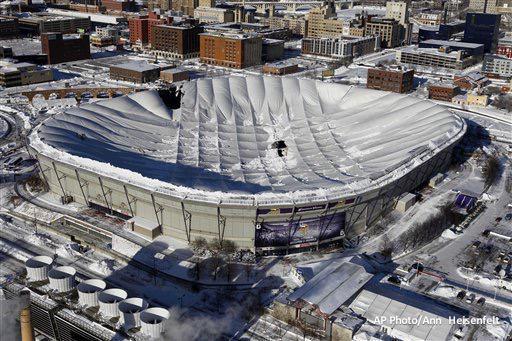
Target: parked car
(508, 216)
(480, 301)
(498, 219)
(461, 294)
(476, 244)
(470, 298)
(394, 280)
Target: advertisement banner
(300, 231)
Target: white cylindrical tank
(130, 311)
(152, 321)
(109, 301)
(38, 268)
(62, 278)
(89, 290)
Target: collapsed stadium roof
(255, 138)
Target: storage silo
(38, 268)
(130, 311)
(89, 290)
(109, 301)
(152, 321)
(62, 278)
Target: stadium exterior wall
(186, 220)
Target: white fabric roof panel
(219, 143)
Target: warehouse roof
(332, 286)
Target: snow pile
(445, 291)
(70, 250)
(339, 140)
(449, 234)
(105, 266)
(39, 239)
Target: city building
(443, 91)
(441, 32)
(397, 80)
(471, 49)
(8, 27)
(388, 29)
(271, 49)
(344, 47)
(259, 29)
(87, 8)
(164, 5)
(101, 41)
(136, 72)
(483, 29)
(141, 27)
(119, 5)
(483, 6)
(65, 48)
(323, 22)
(398, 10)
(497, 66)
(442, 58)
(176, 41)
(472, 80)
(17, 74)
(43, 22)
(230, 50)
(174, 75)
(280, 68)
(6, 52)
(186, 7)
(505, 46)
(471, 99)
(296, 23)
(429, 18)
(211, 15)
(109, 31)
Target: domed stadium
(275, 164)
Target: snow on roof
(392, 304)
(453, 43)
(219, 146)
(332, 286)
(137, 65)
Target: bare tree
(491, 170)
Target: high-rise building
(484, 29)
(387, 79)
(398, 10)
(388, 29)
(187, 7)
(63, 48)
(323, 22)
(180, 42)
(230, 50)
(484, 6)
(141, 27)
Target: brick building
(141, 27)
(505, 46)
(65, 48)
(280, 68)
(174, 75)
(230, 50)
(187, 7)
(118, 5)
(180, 42)
(8, 27)
(443, 92)
(136, 72)
(396, 80)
